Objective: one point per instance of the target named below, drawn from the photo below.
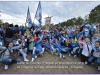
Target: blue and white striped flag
(28, 19)
(38, 14)
(84, 22)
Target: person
(20, 35)
(80, 45)
(95, 38)
(96, 54)
(5, 26)
(58, 46)
(86, 32)
(42, 34)
(67, 46)
(1, 32)
(8, 54)
(23, 49)
(56, 33)
(9, 34)
(71, 35)
(38, 49)
(75, 47)
(76, 34)
(99, 32)
(35, 38)
(16, 31)
(27, 31)
(48, 36)
(31, 31)
(31, 44)
(49, 46)
(87, 49)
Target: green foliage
(94, 15)
(70, 22)
(1, 22)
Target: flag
(94, 28)
(38, 14)
(84, 22)
(28, 19)
(59, 24)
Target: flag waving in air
(38, 14)
(28, 19)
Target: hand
(23, 41)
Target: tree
(94, 15)
(72, 21)
(6, 23)
(1, 22)
(79, 21)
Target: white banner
(47, 20)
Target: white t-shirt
(85, 51)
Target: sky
(15, 12)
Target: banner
(47, 23)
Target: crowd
(82, 41)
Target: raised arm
(17, 47)
(79, 42)
(3, 48)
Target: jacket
(39, 45)
(96, 52)
(9, 52)
(58, 45)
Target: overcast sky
(15, 12)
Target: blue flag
(59, 24)
(84, 22)
(95, 28)
(38, 14)
(28, 19)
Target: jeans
(23, 52)
(9, 61)
(93, 58)
(51, 48)
(75, 50)
(63, 50)
(84, 58)
(68, 50)
(58, 50)
(80, 50)
(9, 40)
(37, 53)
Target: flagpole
(33, 20)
